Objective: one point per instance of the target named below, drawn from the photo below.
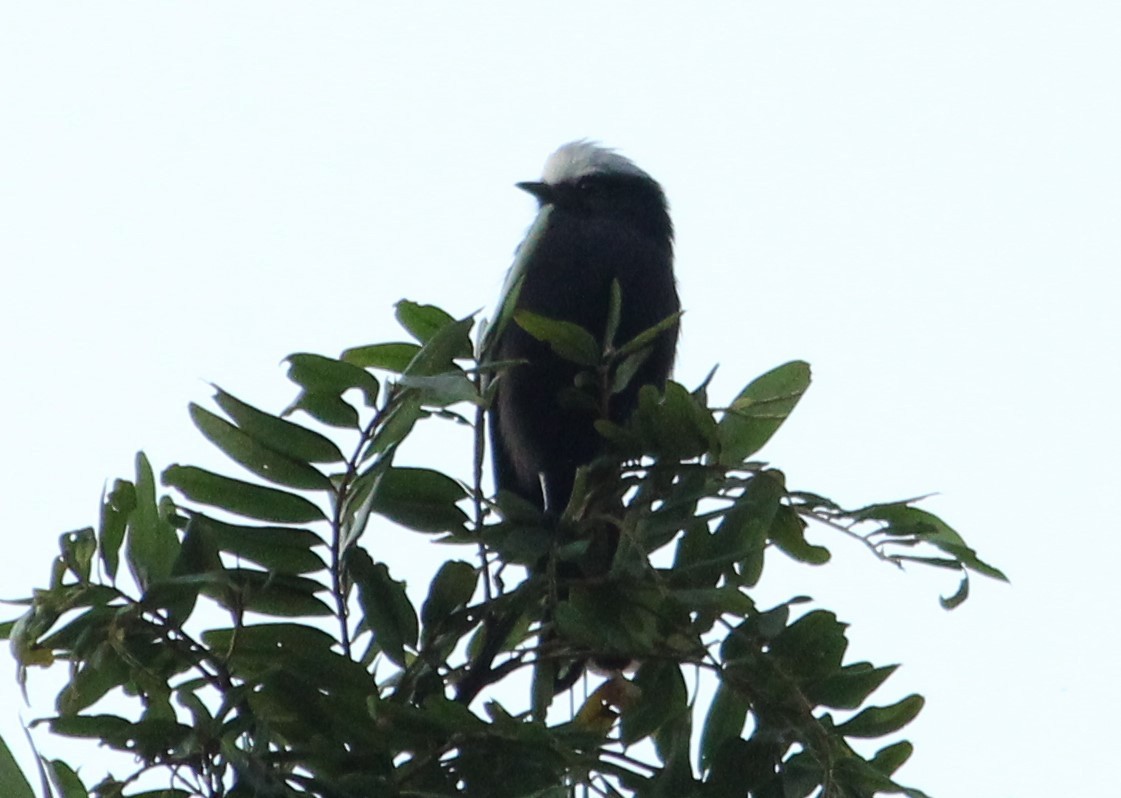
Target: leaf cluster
(244, 636)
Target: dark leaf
(329, 408)
(12, 780)
(961, 595)
(242, 498)
(385, 604)
(438, 354)
(787, 532)
(317, 374)
(115, 510)
(725, 720)
(151, 544)
(813, 646)
(64, 779)
(278, 434)
(451, 590)
(277, 548)
(849, 687)
(256, 457)
(420, 499)
(890, 758)
(663, 697)
(878, 721)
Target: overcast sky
(920, 198)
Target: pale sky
(919, 198)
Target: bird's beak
(542, 191)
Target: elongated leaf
(115, 510)
(385, 604)
(65, 780)
(663, 698)
(242, 498)
(438, 354)
(813, 646)
(760, 409)
(278, 434)
(451, 589)
(420, 499)
(277, 548)
(849, 687)
(878, 721)
(151, 544)
(890, 758)
(393, 357)
(725, 721)
(329, 408)
(317, 374)
(647, 336)
(571, 341)
(12, 781)
(787, 532)
(258, 458)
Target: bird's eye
(586, 185)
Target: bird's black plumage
(600, 219)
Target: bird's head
(591, 181)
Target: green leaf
(759, 410)
(258, 458)
(451, 589)
(420, 499)
(960, 596)
(397, 423)
(393, 357)
(787, 532)
(151, 544)
(663, 698)
(317, 374)
(115, 510)
(850, 686)
(570, 341)
(813, 646)
(289, 439)
(438, 354)
(96, 726)
(647, 336)
(742, 534)
(423, 321)
(890, 758)
(281, 595)
(12, 781)
(242, 498)
(65, 780)
(878, 721)
(441, 390)
(672, 425)
(328, 408)
(385, 604)
(725, 721)
(277, 548)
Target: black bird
(600, 219)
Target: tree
(322, 678)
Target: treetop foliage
(243, 636)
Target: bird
(601, 219)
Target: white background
(919, 198)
